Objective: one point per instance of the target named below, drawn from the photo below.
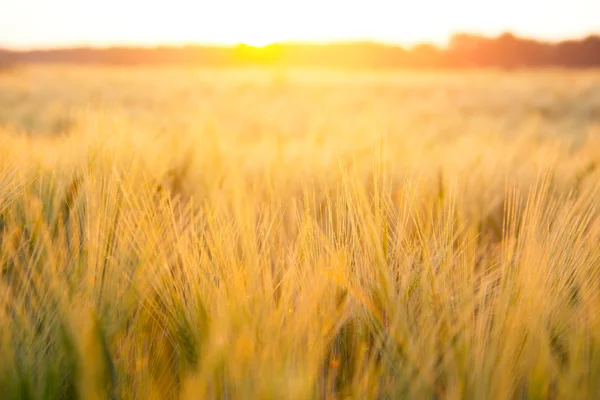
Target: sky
(26, 24)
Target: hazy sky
(36, 23)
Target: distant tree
(466, 42)
(464, 51)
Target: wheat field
(179, 233)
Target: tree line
(463, 51)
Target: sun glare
(261, 22)
(259, 41)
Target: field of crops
(299, 234)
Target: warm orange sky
(43, 23)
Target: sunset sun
(299, 199)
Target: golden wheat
(224, 234)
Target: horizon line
(98, 45)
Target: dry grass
(227, 234)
